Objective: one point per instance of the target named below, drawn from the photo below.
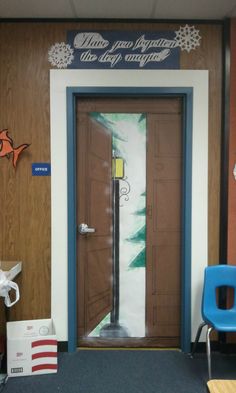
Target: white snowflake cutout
(187, 38)
(60, 55)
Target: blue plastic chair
(221, 320)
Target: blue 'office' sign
(123, 50)
(41, 169)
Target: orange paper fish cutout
(6, 147)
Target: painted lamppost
(114, 329)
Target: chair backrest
(215, 277)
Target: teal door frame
(187, 95)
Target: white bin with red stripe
(31, 347)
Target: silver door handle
(83, 229)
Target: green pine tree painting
(139, 260)
(139, 237)
(141, 212)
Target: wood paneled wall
(24, 110)
(232, 150)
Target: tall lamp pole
(114, 329)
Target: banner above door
(124, 49)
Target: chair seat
(223, 320)
(221, 386)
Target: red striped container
(31, 348)
(44, 356)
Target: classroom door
(138, 302)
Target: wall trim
(111, 20)
(59, 81)
(223, 255)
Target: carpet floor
(127, 371)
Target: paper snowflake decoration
(60, 55)
(187, 38)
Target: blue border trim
(187, 94)
(187, 223)
(71, 196)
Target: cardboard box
(31, 347)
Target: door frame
(186, 93)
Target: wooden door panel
(99, 141)
(168, 260)
(131, 105)
(165, 238)
(165, 259)
(95, 308)
(167, 138)
(166, 319)
(98, 168)
(97, 270)
(168, 168)
(167, 204)
(98, 297)
(163, 244)
(99, 201)
(95, 209)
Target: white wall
(59, 80)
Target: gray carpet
(126, 371)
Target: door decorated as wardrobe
(129, 166)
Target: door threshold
(129, 342)
(126, 349)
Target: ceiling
(119, 9)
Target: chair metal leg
(199, 331)
(208, 348)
